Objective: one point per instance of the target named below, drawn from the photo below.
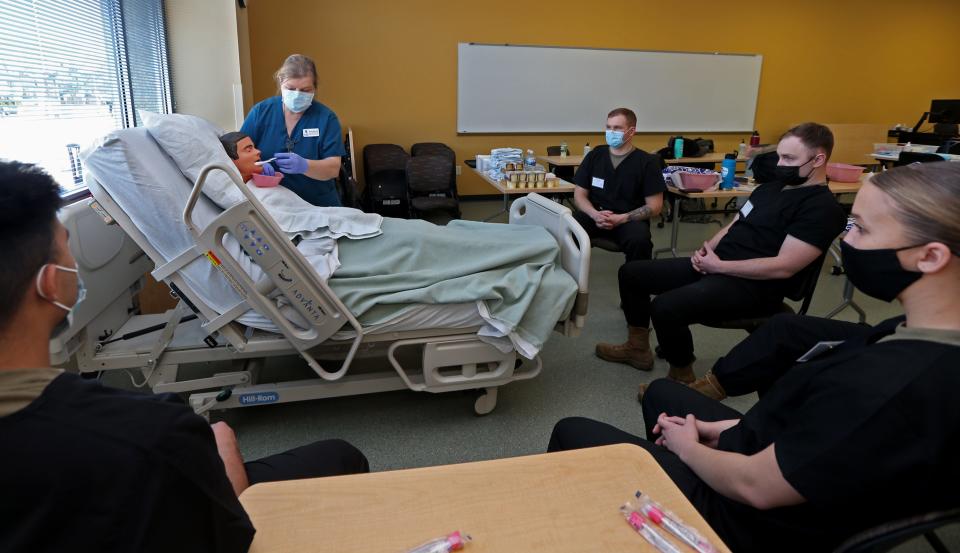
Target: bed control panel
(281, 273)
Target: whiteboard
(520, 89)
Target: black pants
(633, 237)
(323, 458)
(757, 362)
(685, 297)
(673, 398)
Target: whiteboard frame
(460, 130)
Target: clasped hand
(705, 260)
(608, 220)
(678, 434)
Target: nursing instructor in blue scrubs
(300, 132)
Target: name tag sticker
(311, 132)
(746, 209)
(818, 350)
(597, 183)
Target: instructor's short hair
(814, 136)
(628, 113)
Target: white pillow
(193, 143)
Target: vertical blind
(74, 70)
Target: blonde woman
(301, 133)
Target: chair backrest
(383, 158)
(426, 174)
(808, 284)
(553, 150)
(887, 536)
(433, 149)
(906, 158)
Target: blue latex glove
(268, 170)
(291, 163)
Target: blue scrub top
(266, 126)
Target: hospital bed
(187, 252)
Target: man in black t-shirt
(619, 188)
(745, 270)
(84, 467)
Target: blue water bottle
(728, 170)
(678, 147)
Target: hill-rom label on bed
(259, 397)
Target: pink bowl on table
(841, 172)
(263, 181)
(697, 182)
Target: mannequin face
(247, 156)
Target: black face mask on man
(877, 273)
(790, 175)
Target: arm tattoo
(640, 214)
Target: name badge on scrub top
(598, 183)
(307, 133)
(746, 209)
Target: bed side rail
(288, 272)
(534, 209)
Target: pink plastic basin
(263, 181)
(698, 182)
(841, 172)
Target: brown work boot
(682, 374)
(634, 352)
(640, 391)
(709, 386)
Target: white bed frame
(451, 359)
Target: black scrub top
(90, 468)
(773, 211)
(866, 434)
(625, 188)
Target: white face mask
(81, 294)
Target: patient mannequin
(86, 467)
(245, 155)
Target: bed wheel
(485, 402)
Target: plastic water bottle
(564, 151)
(586, 148)
(742, 149)
(727, 171)
(531, 161)
(678, 147)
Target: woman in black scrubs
(856, 435)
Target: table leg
(674, 230)
(506, 208)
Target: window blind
(74, 70)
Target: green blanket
(514, 269)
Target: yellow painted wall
(389, 68)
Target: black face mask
(877, 273)
(790, 176)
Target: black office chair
(385, 178)
(803, 294)
(889, 535)
(908, 158)
(439, 149)
(428, 188)
(564, 172)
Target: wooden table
(563, 187)
(678, 195)
(561, 161)
(559, 502)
